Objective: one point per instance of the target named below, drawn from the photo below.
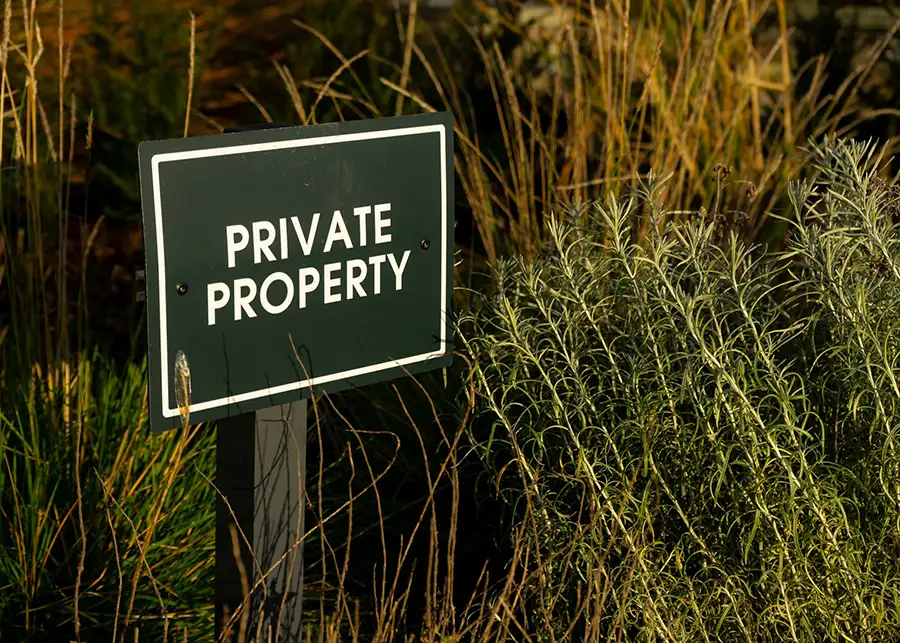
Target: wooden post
(261, 476)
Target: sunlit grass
(591, 99)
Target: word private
(329, 283)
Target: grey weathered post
(260, 474)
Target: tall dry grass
(96, 525)
(594, 94)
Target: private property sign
(286, 260)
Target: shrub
(698, 436)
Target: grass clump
(698, 436)
(106, 529)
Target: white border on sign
(281, 145)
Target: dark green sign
(286, 260)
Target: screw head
(426, 244)
(181, 288)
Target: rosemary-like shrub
(700, 438)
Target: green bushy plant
(699, 436)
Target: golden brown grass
(681, 93)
